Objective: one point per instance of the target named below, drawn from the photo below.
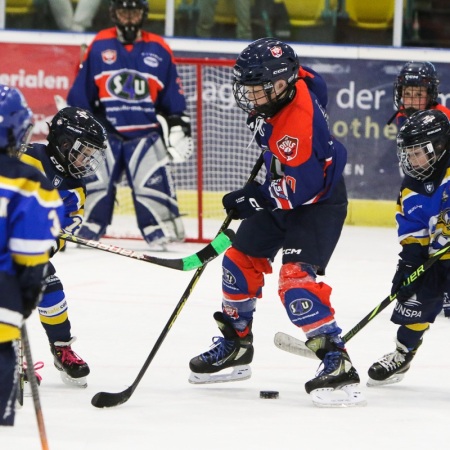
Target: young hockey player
(31, 210)
(416, 89)
(128, 78)
(423, 223)
(75, 149)
(300, 209)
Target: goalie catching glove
(177, 137)
(245, 202)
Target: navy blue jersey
(71, 190)
(127, 85)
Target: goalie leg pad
(154, 195)
(307, 302)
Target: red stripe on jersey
(291, 141)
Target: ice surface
(118, 308)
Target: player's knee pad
(243, 275)
(307, 302)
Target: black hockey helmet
(77, 142)
(422, 143)
(15, 120)
(128, 16)
(263, 63)
(418, 74)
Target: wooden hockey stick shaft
(34, 388)
(110, 399)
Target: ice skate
(337, 382)
(391, 368)
(229, 351)
(73, 369)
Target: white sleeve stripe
(30, 246)
(9, 317)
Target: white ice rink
(118, 308)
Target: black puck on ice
(269, 394)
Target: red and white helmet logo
(288, 146)
(276, 51)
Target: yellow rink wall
(380, 213)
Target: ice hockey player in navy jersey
(129, 81)
(299, 209)
(75, 149)
(30, 214)
(423, 222)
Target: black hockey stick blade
(296, 346)
(111, 399)
(217, 246)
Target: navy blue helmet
(77, 142)
(262, 64)
(417, 74)
(15, 119)
(128, 16)
(422, 143)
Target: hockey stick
(296, 346)
(21, 386)
(217, 246)
(110, 399)
(34, 387)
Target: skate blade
(74, 382)
(396, 378)
(239, 373)
(346, 396)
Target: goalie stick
(296, 346)
(110, 399)
(217, 246)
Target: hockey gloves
(404, 293)
(245, 202)
(177, 136)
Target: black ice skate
(391, 368)
(336, 376)
(227, 351)
(73, 369)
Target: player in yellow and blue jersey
(30, 214)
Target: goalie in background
(423, 224)
(30, 222)
(127, 79)
(75, 149)
(300, 209)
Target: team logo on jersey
(276, 51)
(288, 146)
(128, 85)
(151, 61)
(429, 187)
(109, 56)
(56, 181)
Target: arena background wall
(359, 79)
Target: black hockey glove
(244, 202)
(404, 293)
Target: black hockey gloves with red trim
(245, 202)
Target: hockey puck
(269, 394)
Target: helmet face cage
(416, 75)
(422, 143)
(128, 16)
(77, 141)
(256, 72)
(15, 120)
